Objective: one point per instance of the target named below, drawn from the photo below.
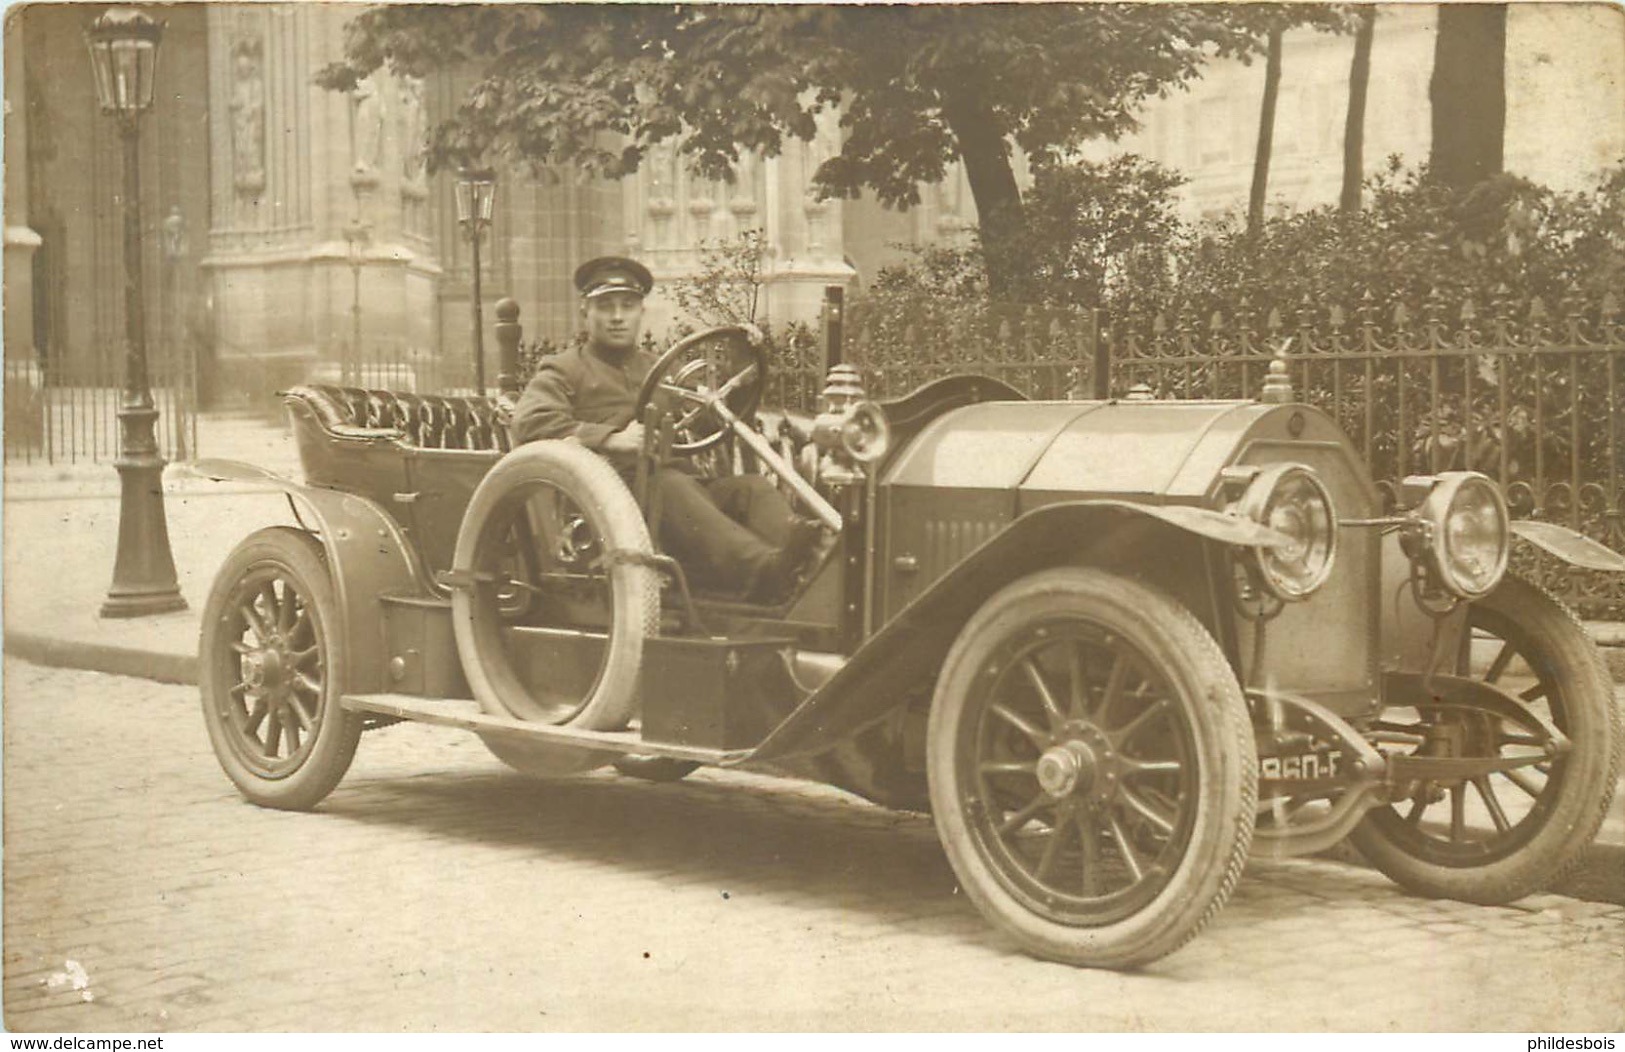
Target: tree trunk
(1468, 92)
(1354, 123)
(1266, 135)
(999, 210)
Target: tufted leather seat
(417, 456)
(422, 421)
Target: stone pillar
(806, 233)
(20, 238)
(320, 209)
(24, 409)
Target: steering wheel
(714, 380)
(726, 364)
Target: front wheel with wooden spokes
(1092, 768)
(1499, 835)
(271, 668)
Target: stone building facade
(1565, 84)
(294, 231)
(287, 224)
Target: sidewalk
(61, 529)
(61, 533)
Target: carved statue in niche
(742, 202)
(367, 130)
(662, 178)
(411, 129)
(661, 201)
(248, 116)
(822, 147)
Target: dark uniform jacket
(577, 394)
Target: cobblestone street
(437, 890)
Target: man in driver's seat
(735, 533)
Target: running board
(466, 715)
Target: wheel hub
(1081, 763)
(1064, 768)
(264, 669)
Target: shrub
(1425, 273)
(1098, 231)
(1505, 239)
(727, 287)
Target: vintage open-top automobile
(1112, 646)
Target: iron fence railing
(1047, 352)
(1528, 393)
(68, 412)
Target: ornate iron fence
(1046, 352)
(1528, 393)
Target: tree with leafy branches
(1099, 229)
(918, 87)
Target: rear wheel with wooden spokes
(271, 668)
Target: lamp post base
(144, 570)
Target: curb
(179, 669)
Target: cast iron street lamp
(123, 46)
(476, 192)
(358, 236)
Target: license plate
(1304, 766)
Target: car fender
(909, 649)
(368, 556)
(1572, 547)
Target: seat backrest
(417, 456)
(421, 421)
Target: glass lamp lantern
(123, 45)
(476, 195)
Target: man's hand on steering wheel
(703, 387)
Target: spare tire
(592, 547)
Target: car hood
(1151, 449)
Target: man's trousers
(725, 532)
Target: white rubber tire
(594, 487)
